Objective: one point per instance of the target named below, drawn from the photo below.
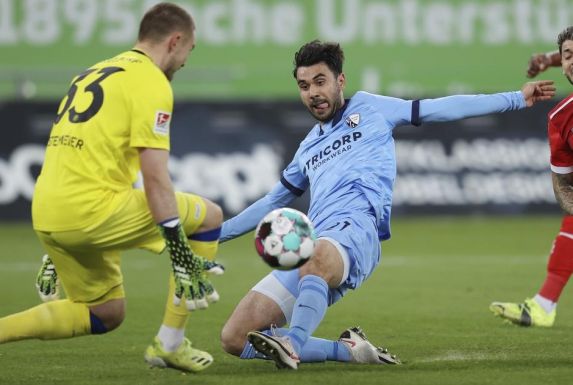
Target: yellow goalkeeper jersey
(112, 109)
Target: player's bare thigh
(111, 313)
(327, 263)
(213, 216)
(256, 311)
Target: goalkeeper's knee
(107, 316)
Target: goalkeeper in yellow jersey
(113, 123)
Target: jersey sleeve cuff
(562, 170)
(519, 100)
(415, 117)
(293, 189)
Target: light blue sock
(315, 349)
(308, 311)
(320, 350)
(249, 352)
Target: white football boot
(362, 351)
(279, 349)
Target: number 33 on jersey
(110, 110)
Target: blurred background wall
(238, 120)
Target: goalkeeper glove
(47, 283)
(189, 270)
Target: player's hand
(47, 283)
(190, 271)
(211, 295)
(534, 92)
(538, 63)
(192, 282)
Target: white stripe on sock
(170, 338)
(547, 304)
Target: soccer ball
(285, 239)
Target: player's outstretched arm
(540, 62)
(534, 92)
(466, 106)
(248, 219)
(188, 269)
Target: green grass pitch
(427, 302)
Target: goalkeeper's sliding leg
(62, 319)
(76, 316)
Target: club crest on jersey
(162, 121)
(353, 120)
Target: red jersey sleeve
(560, 124)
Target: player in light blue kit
(348, 162)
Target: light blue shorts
(355, 236)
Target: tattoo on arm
(563, 189)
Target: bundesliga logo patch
(162, 121)
(353, 120)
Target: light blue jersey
(349, 163)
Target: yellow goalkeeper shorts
(88, 260)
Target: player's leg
(559, 267)
(132, 226)
(52, 320)
(351, 346)
(267, 306)
(541, 309)
(270, 305)
(256, 311)
(347, 254)
(323, 271)
(201, 221)
(95, 303)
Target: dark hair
(319, 52)
(566, 34)
(163, 19)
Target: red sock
(560, 265)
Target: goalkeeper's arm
(188, 268)
(157, 184)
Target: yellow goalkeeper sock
(175, 315)
(48, 321)
(207, 249)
